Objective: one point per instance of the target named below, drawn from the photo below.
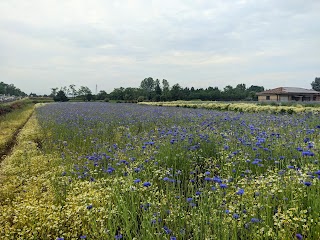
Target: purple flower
(83, 237)
(137, 180)
(190, 199)
(222, 185)
(235, 216)
(240, 192)
(89, 207)
(146, 184)
(299, 236)
(119, 236)
(255, 220)
(308, 184)
(167, 230)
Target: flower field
(272, 107)
(129, 171)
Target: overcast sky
(200, 43)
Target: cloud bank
(200, 43)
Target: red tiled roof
(288, 90)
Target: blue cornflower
(307, 153)
(60, 238)
(137, 180)
(167, 230)
(217, 179)
(222, 185)
(240, 192)
(235, 216)
(189, 199)
(146, 184)
(308, 184)
(119, 236)
(255, 220)
(198, 193)
(173, 238)
(83, 237)
(89, 207)
(299, 236)
(166, 179)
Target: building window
(267, 97)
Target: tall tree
(60, 97)
(316, 84)
(102, 95)
(86, 93)
(176, 92)
(165, 90)
(157, 90)
(72, 90)
(148, 85)
(53, 92)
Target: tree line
(10, 89)
(155, 90)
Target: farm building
(286, 94)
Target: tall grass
(11, 122)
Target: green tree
(117, 94)
(148, 85)
(72, 90)
(157, 90)
(316, 84)
(60, 97)
(102, 95)
(165, 90)
(85, 93)
(176, 92)
(53, 92)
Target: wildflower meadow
(129, 171)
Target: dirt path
(10, 145)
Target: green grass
(11, 122)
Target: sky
(117, 43)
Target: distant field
(130, 171)
(272, 107)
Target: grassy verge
(11, 122)
(239, 107)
